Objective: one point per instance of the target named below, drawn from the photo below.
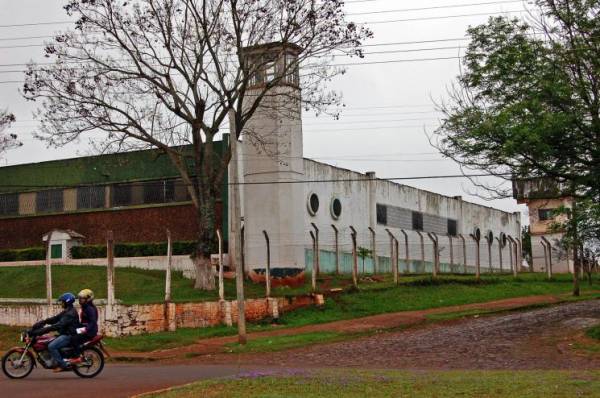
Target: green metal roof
(102, 169)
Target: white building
(287, 196)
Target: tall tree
(527, 103)
(166, 74)
(7, 140)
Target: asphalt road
(116, 380)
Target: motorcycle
(18, 362)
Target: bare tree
(7, 140)
(165, 74)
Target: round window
(477, 233)
(336, 208)
(490, 236)
(313, 203)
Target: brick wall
(129, 225)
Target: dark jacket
(89, 319)
(66, 323)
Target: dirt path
(536, 339)
(366, 324)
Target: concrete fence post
(436, 254)
(499, 240)
(313, 274)
(519, 252)
(393, 255)
(513, 251)
(336, 234)
(374, 250)
(110, 269)
(547, 243)
(477, 258)
(406, 254)
(268, 267)
(354, 257)
(464, 246)
(317, 249)
(168, 268)
(451, 253)
(49, 269)
(221, 271)
(490, 242)
(422, 249)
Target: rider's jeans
(54, 347)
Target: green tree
(7, 140)
(363, 253)
(527, 103)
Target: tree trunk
(206, 244)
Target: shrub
(29, 254)
(132, 250)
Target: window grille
(9, 204)
(121, 195)
(92, 197)
(50, 201)
(545, 214)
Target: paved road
(114, 381)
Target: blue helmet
(67, 298)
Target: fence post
(513, 251)
(168, 269)
(434, 240)
(354, 258)
(268, 268)
(451, 253)
(313, 274)
(519, 252)
(393, 255)
(549, 261)
(498, 238)
(337, 249)
(374, 250)
(422, 249)
(464, 245)
(221, 279)
(407, 254)
(317, 249)
(110, 269)
(489, 237)
(49, 269)
(477, 258)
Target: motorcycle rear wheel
(10, 365)
(92, 365)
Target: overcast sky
(389, 105)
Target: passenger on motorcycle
(65, 324)
(88, 318)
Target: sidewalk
(358, 325)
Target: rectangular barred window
(91, 197)
(9, 204)
(452, 227)
(159, 191)
(545, 214)
(121, 195)
(417, 221)
(50, 201)
(382, 214)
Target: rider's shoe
(59, 369)
(74, 361)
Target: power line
(333, 180)
(435, 7)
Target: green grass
(593, 332)
(359, 384)
(9, 337)
(132, 286)
(286, 342)
(447, 316)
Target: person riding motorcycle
(88, 328)
(65, 323)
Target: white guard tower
(272, 155)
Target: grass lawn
(359, 384)
(132, 285)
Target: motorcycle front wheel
(92, 363)
(15, 365)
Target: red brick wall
(129, 225)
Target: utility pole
(236, 232)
